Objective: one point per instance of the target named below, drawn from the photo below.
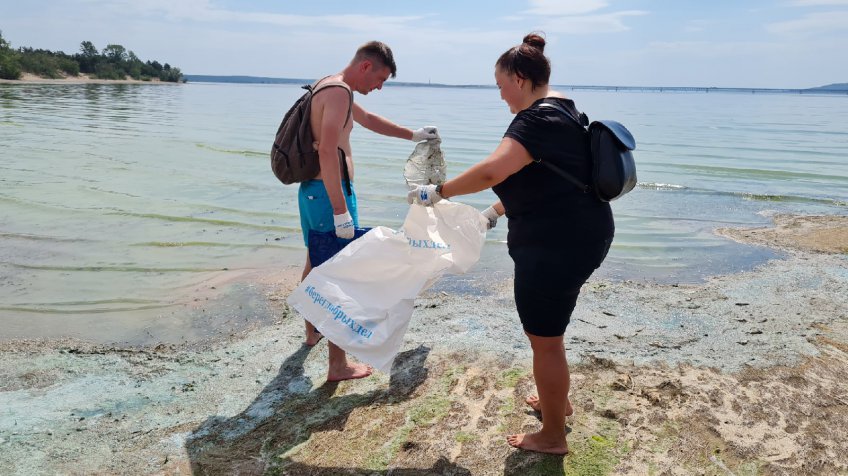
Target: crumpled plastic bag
(426, 164)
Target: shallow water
(120, 203)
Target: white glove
(425, 133)
(344, 225)
(491, 215)
(423, 195)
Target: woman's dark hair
(377, 51)
(527, 61)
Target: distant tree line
(113, 62)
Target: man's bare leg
(312, 335)
(341, 369)
(550, 369)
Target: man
(330, 194)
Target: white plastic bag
(362, 298)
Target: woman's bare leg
(550, 370)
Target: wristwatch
(439, 189)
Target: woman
(558, 235)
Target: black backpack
(293, 157)
(613, 167)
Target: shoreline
(82, 78)
(741, 373)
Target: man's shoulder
(331, 83)
(332, 95)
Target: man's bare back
(336, 98)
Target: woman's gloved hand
(423, 195)
(492, 215)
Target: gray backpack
(293, 157)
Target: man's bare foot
(537, 442)
(349, 372)
(533, 402)
(313, 338)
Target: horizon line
(284, 80)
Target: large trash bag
(362, 298)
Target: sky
(703, 43)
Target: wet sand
(740, 374)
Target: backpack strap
(315, 89)
(579, 120)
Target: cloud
(576, 17)
(203, 11)
(564, 7)
(812, 23)
(817, 3)
(587, 24)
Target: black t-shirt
(543, 208)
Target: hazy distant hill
(832, 87)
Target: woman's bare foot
(349, 372)
(539, 443)
(533, 402)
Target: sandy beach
(82, 78)
(741, 374)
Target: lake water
(119, 204)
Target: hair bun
(535, 40)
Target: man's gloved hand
(425, 133)
(492, 216)
(423, 195)
(344, 225)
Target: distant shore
(840, 88)
(29, 78)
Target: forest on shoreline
(112, 62)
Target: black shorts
(548, 280)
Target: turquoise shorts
(316, 211)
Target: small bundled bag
(613, 166)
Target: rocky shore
(741, 374)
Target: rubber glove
(492, 216)
(425, 133)
(423, 195)
(344, 225)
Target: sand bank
(742, 374)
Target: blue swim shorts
(316, 211)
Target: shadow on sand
(287, 412)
